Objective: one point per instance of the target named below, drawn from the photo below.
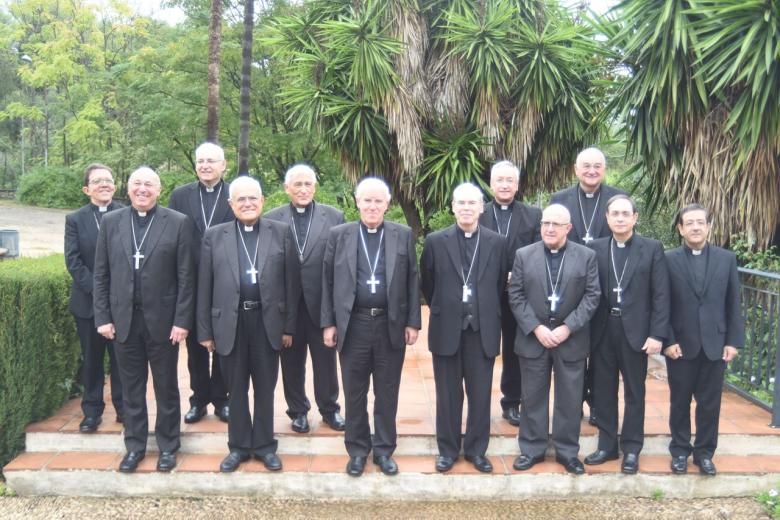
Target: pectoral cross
(619, 291)
(554, 299)
(466, 293)
(588, 239)
(138, 256)
(373, 282)
(253, 273)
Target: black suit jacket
(81, 233)
(645, 295)
(579, 293)
(712, 318)
(442, 285)
(219, 289)
(186, 199)
(167, 274)
(323, 218)
(569, 198)
(339, 280)
(525, 227)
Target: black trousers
(367, 354)
(702, 379)
(135, 357)
(93, 351)
(308, 337)
(206, 382)
(471, 366)
(252, 357)
(511, 388)
(615, 357)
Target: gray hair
(509, 165)
(244, 181)
(589, 150)
(558, 208)
(467, 190)
(142, 170)
(210, 147)
(297, 169)
(372, 183)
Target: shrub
(39, 347)
(52, 187)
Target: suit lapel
(635, 253)
(451, 243)
(351, 249)
(574, 202)
(689, 278)
(483, 258)
(569, 260)
(156, 230)
(709, 270)
(264, 238)
(195, 207)
(223, 211)
(317, 225)
(391, 251)
(126, 235)
(598, 220)
(490, 221)
(231, 250)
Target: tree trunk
(246, 85)
(215, 40)
(412, 216)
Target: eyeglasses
(556, 225)
(106, 180)
(201, 162)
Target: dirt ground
(41, 230)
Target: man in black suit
(519, 224)
(630, 324)
(463, 279)
(553, 293)
(707, 329)
(205, 202)
(586, 202)
(247, 283)
(311, 223)
(370, 312)
(144, 276)
(81, 232)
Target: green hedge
(52, 187)
(39, 347)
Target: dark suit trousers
(701, 379)
(367, 352)
(510, 372)
(613, 358)
(323, 361)
(93, 351)
(205, 376)
(535, 412)
(251, 357)
(470, 365)
(135, 357)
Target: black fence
(754, 372)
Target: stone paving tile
(88, 460)
(199, 463)
(29, 461)
(416, 464)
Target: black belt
(615, 311)
(553, 322)
(249, 305)
(370, 311)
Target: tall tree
(246, 86)
(215, 41)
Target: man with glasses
(205, 202)
(553, 293)
(81, 232)
(630, 325)
(463, 280)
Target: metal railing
(754, 372)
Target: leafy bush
(766, 260)
(171, 180)
(771, 501)
(39, 347)
(52, 187)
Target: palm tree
(246, 87)
(215, 40)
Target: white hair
(211, 148)
(505, 165)
(144, 170)
(372, 183)
(558, 208)
(244, 181)
(591, 150)
(298, 169)
(467, 191)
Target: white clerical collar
(554, 251)
(102, 209)
(300, 210)
(372, 230)
(141, 213)
(504, 207)
(209, 189)
(620, 244)
(468, 234)
(696, 252)
(589, 195)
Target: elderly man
(311, 223)
(707, 330)
(144, 278)
(81, 232)
(463, 279)
(205, 202)
(519, 224)
(247, 283)
(630, 324)
(553, 293)
(370, 312)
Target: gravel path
(41, 230)
(228, 508)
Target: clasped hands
(552, 338)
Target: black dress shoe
(355, 466)
(572, 465)
(195, 414)
(600, 457)
(630, 463)
(119, 418)
(300, 424)
(706, 467)
(444, 464)
(130, 461)
(680, 465)
(335, 421)
(167, 461)
(523, 462)
(386, 464)
(512, 415)
(230, 463)
(481, 463)
(90, 424)
(222, 412)
(271, 461)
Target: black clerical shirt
(364, 297)
(248, 291)
(698, 266)
(302, 221)
(620, 255)
(503, 217)
(468, 251)
(140, 226)
(588, 207)
(554, 263)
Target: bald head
(143, 188)
(556, 223)
(590, 168)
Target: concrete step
(322, 476)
